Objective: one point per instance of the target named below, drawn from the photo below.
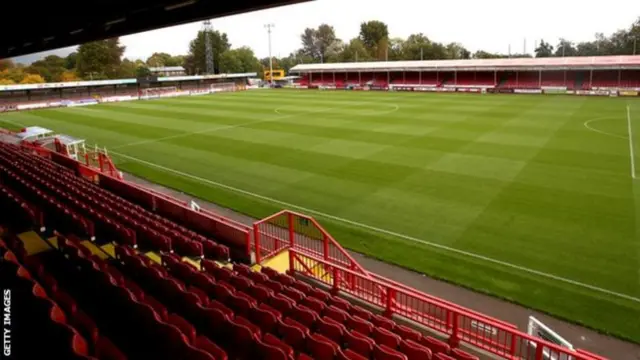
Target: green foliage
(320, 44)
(6, 64)
(196, 61)
(164, 59)
(372, 34)
(100, 59)
(71, 60)
(32, 79)
(142, 71)
(128, 69)
(239, 60)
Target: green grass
(517, 179)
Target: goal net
(536, 328)
(223, 87)
(153, 93)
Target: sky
(490, 25)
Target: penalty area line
(383, 231)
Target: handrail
(513, 343)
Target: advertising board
(628, 93)
(527, 91)
(468, 90)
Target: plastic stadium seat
(274, 312)
(302, 286)
(321, 348)
(415, 351)
(314, 304)
(331, 329)
(274, 285)
(383, 336)
(303, 356)
(221, 292)
(382, 352)
(274, 341)
(436, 346)
(261, 293)
(361, 313)
(336, 314)
(282, 303)
(216, 322)
(285, 279)
(240, 282)
(272, 273)
(362, 326)
(204, 282)
(242, 269)
(407, 333)
(359, 343)
(340, 303)
(106, 350)
(442, 356)
(241, 303)
(201, 294)
(463, 355)
(295, 295)
(251, 326)
(383, 322)
(86, 327)
(264, 319)
(304, 315)
(257, 277)
(242, 338)
(319, 294)
(215, 304)
(350, 355)
(207, 345)
(292, 333)
(187, 329)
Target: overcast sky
(489, 25)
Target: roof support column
(359, 77)
(420, 77)
(495, 77)
(388, 78)
(334, 77)
(619, 77)
(590, 78)
(540, 78)
(404, 78)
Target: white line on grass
(633, 162)
(586, 124)
(388, 232)
(149, 141)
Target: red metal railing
(288, 229)
(460, 325)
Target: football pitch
(529, 198)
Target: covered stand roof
(34, 131)
(529, 64)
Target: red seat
(331, 329)
(292, 333)
(304, 315)
(442, 356)
(242, 269)
(241, 305)
(350, 355)
(359, 325)
(314, 304)
(269, 352)
(215, 304)
(319, 294)
(204, 282)
(264, 319)
(269, 272)
(240, 282)
(363, 314)
(221, 292)
(106, 350)
(87, 328)
(302, 286)
(321, 348)
(260, 293)
(383, 322)
(185, 327)
(200, 294)
(282, 303)
(207, 345)
(383, 336)
(435, 345)
(285, 279)
(257, 277)
(340, 303)
(460, 354)
(158, 307)
(415, 351)
(274, 285)
(242, 338)
(382, 352)
(274, 341)
(359, 343)
(336, 314)
(408, 333)
(295, 295)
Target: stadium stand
(569, 73)
(101, 276)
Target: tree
(143, 71)
(417, 47)
(177, 60)
(158, 59)
(565, 48)
(32, 79)
(396, 49)
(457, 51)
(69, 75)
(50, 68)
(355, 51)
(99, 59)
(6, 64)
(128, 69)
(71, 60)
(320, 44)
(544, 49)
(241, 60)
(7, 82)
(15, 74)
(196, 61)
(372, 34)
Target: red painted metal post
(291, 263)
(539, 351)
(512, 350)
(325, 246)
(292, 232)
(256, 240)
(390, 295)
(454, 340)
(336, 281)
(247, 240)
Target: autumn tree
(32, 79)
(196, 61)
(320, 44)
(99, 59)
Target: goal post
(536, 328)
(157, 92)
(223, 87)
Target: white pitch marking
(388, 232)
(149, 141)
(631, 151)
(586, 124)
